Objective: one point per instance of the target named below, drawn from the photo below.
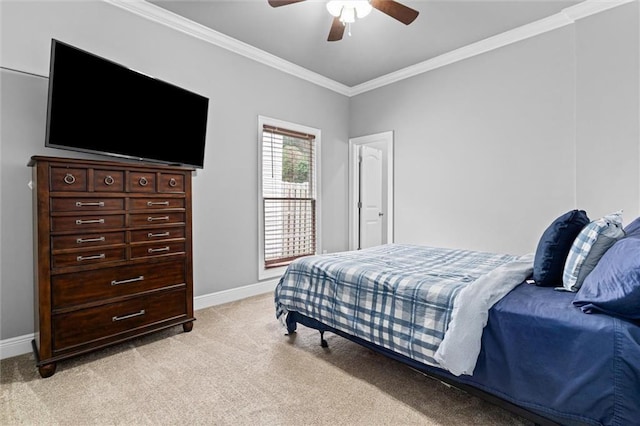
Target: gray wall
(489, 150)
(608, 88)
(225, 217)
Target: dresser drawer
(88, 257)
(142, 182)
(170, 182)
(87, 223)
(76, 241)
(86, 204)
(100, 284)
(108, 180)
(157, 234)
(161, 248)
(68, 179)
(90, 325)
(156, 218)
(157, 203)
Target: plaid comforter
(398, 296)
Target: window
(288, 194)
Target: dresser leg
(47, 370)
(187, 326)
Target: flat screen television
(98, 106)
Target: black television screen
(98, 106)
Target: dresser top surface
(109, 163)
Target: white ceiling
(379, 45)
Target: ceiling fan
(345, 11)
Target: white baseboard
(226, 296)
(15, 346)
(20, 345)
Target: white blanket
(460, 347)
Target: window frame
(275, 272)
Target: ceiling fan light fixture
(335, 7)
(363, 8)
(348, 15)
(344, 12)
(347, 10)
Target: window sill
(264, 274)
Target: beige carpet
(235, 368)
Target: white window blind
(288, 194)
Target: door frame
(354, 183)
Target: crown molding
(591, 7)
(521, 33)
(162, 16)
(566, 17)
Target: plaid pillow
(588, 247)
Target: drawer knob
(143, 181)
(124, 317)
(172, 182)
(109, 180)
(69, 179)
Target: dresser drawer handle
(152, 250)
(109, 180)
(69, 179)
(161, 234)
(151, 218)
(124, 317)
(96, 204)
(143, 181)
(157, 203)
(172, 182)
(130, 280)
(85, 222)
(98, 256)
(90, 240)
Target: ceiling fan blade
(337, 30)
(398, 11)
(278, 3)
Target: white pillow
(588, 247)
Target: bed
(476, 320)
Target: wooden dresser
(113, 256)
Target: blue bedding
(538, 350)
(542, 352)
(398, 296)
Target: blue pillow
(633, 228)
(613, 287)
(554, 245)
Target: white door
(382, 142)
(371, 211)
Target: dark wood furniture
(113, 257)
